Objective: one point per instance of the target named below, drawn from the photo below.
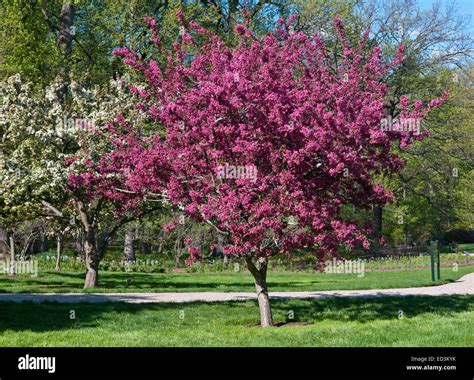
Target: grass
(67, 282)
(467, 247)
(427, 321)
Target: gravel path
(465, 285)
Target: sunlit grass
(52, 282)
(427, 321)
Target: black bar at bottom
(433, 363)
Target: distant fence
(399, 250)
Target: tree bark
(177, 250)
(377, 233)
(260, 276)
(59, 251)
(145, 248)
(221, 240)
(12, 256)
(44, 247)
(64, 41)
(177, 253)
(92, 260)
(91, 254)
(128, 246)
(161, 241)
(78, 243)
(94, 243)
(378, 212)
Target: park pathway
(465, 285)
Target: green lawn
(427, 321)
(50, 282)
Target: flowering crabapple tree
(310, 130)
(50, 154)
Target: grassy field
(426, 321)
(52, 282)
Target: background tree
(438, 48)
(27, 44)
(45, 143)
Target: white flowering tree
(40, 136)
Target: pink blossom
(150, 21)
(315, 140)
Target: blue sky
(465, 8)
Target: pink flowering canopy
(266, 133)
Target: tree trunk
(59, 251)
(92, 260)
(128, 248)
(177, 253)
(160, 242)
(377, 233)
(39, 243)
(177, 250)
(221, 240)
(44, 244)
(12, 256)
(145, 248)
(260, 276)
(64, 41)
(266, 318)
(78, 243)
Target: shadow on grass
(168, 282)
(366, 309)
(52, 316)
(110, 282)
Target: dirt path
(465, 285)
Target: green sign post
(434, 253)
